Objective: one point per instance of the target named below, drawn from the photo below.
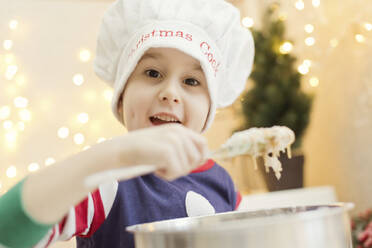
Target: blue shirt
(150, 198)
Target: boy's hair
(120, 105)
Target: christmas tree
(276, 97)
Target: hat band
(174, 31)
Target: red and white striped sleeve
(85, 218)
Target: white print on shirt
(197, 205)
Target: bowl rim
(313, 212)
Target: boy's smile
(167, 86)
(164, 118)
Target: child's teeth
(166, 118)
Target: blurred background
(313, 73)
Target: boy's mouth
(164, 118)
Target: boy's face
(166, 86)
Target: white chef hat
(208, 30)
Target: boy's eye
(191, 82)
(152, 73)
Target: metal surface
(321, 226)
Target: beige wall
(339, 141)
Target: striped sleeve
(85, 218)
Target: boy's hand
(174, 149)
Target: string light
(79, 138)
(49, 161)
(78, 79)
(13, 24)
(300, 5)
(316, 3)
(247, 22)
(7, 44)
(333, 43)
(101, 140)
(11, 172)
(368, 26)
(11, 71)
(286, 47)
(8, 125)
(83, 118)
(4, 112)
(86, 148)
(309, 28)
(11, 137)
(24, 115)
(33, 167)
(314, 82)
(108, 94)
(20, 102)
(85, 55)
(303, 69)
(360, 38)
(63, 132)
(310, 41)
(307, 62)
(282, 17)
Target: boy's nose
(169, 93)
(165, 98)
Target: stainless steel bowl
(320, 226)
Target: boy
(171, 64)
